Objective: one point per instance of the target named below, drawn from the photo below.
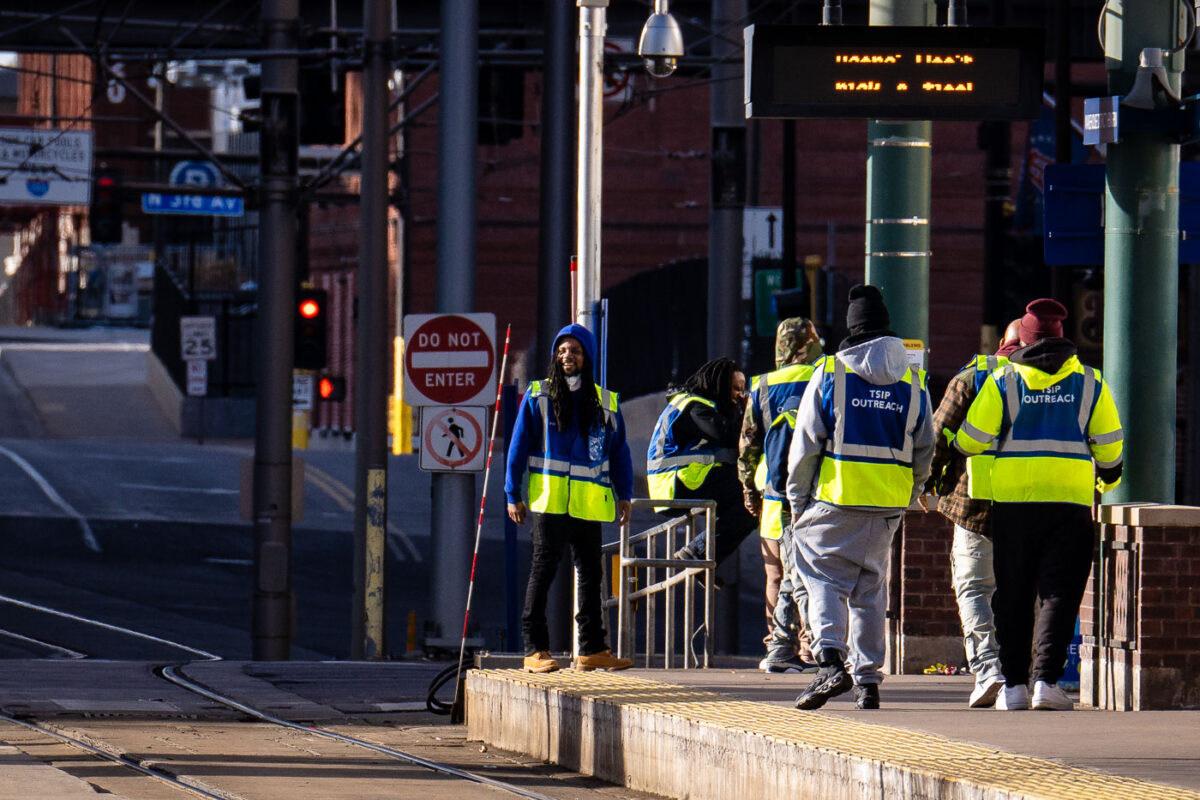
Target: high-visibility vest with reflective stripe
(979, 468)
(559, 485)
(690, 462)
(868, 456)
(1047, 431)
(775, 448)
(776, 392)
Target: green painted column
(1141, 261)
(899, 165)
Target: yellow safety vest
(557, 485)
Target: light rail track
(152, 772)
(87, 621)
(173, 675)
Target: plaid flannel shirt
(950, 466)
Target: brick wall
(929, 628)
(1139, 620)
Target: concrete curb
(684, 742)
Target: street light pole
(592, 23)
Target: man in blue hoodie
(570, 438)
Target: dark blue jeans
(551, 534)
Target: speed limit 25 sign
(198, 338)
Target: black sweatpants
(1043, 554)
(551, 534)
(733, 524)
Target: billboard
(45, 167)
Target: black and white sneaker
(830, 681)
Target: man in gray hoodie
(859, 457)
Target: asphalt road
(105, 512)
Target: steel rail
(106, 626)
(178, 783)
(173, 675)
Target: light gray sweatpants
(842, 557)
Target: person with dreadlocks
(693, 453)
(570, 438)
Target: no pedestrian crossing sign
(449, 359)
(452, 438)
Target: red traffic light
(106, 182)
(331, 388)
(309, 308)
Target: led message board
(883, 72)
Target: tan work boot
(602, 660)
(541, 661)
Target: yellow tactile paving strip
(919, 752)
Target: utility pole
(899, 156)
(556, 237)
(454, 494)
(279, 153)
(1141, 258)
(373, 346)
(728, 202)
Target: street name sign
(449, 359)
(893, 72)
(45, 167)
(207, 205)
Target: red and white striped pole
(487, 469)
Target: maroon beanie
(1043, 320)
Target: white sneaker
(985, 692)
(1048, 697)
(1013, 698)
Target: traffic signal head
(105, 212)
(331, 388)
(310, 324)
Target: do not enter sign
(449, 359)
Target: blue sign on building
(198, 204)
(1074, 216)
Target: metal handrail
(678, 570)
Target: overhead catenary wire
(487, 469)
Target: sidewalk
(80, 382)
(722, 733)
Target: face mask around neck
(574, 382)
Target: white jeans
(974, 580)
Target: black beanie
(867, 312)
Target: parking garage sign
(449, 359)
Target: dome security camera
(661, 45)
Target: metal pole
(898, 197)
(728, 194)
(1060, 276)
(279, 150)
(453, 496)
(996, 142)
(592, 23)
(373, 347)
(557, 170)
(728, 201)
(556, 237)
(1141, 260)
